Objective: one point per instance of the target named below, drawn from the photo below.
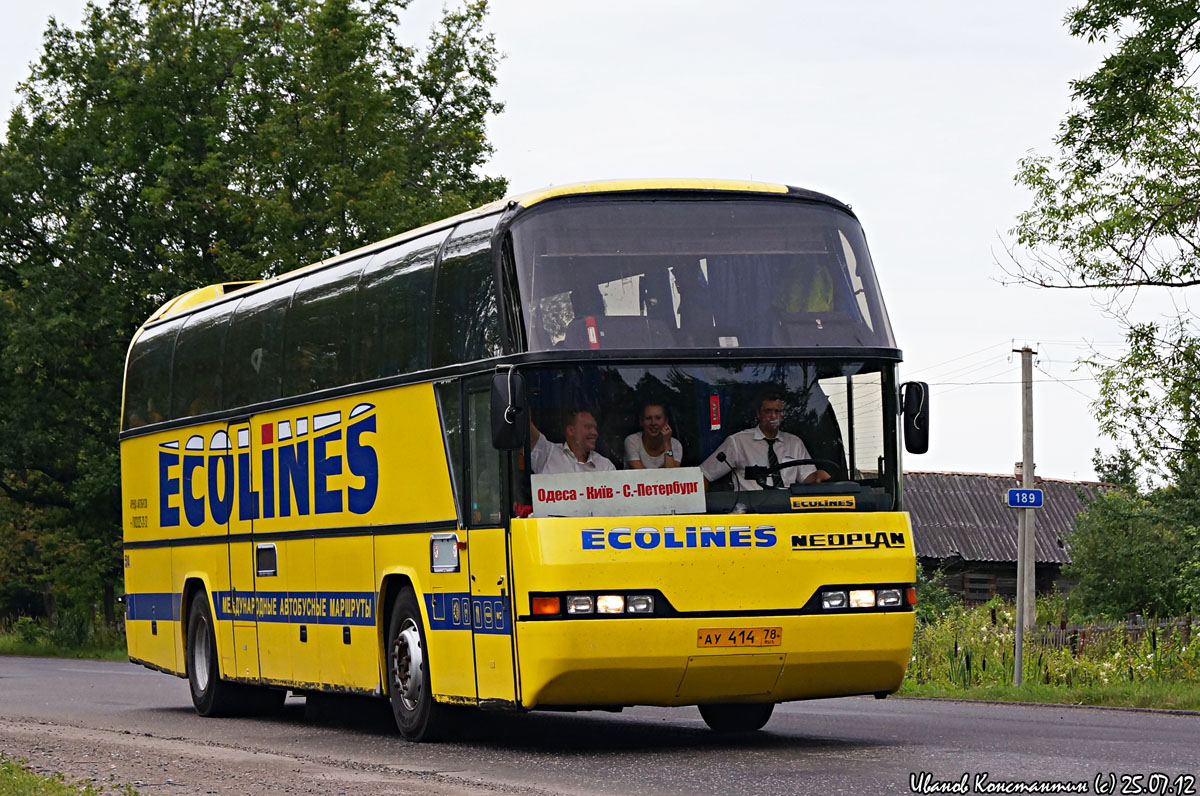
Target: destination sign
(619, 493)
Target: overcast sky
(914, 113)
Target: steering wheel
(827, 465)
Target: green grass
(16, 780)
(963, 652)
(1160, 696)
(44, 649)
(32, 639)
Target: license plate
(739, 637)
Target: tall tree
(168, 144)
(1117, 209)
(1139, 552)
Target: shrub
(934, 600)
(27, 630)
(73, 630)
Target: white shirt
(749, 447)
(636, 451)
(552, 457)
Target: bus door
(239, 603)
(347, 641)
(270, 560)
(303, 614)
(487, 542)
(287, 625)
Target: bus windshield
(678, 273)
(841, 411)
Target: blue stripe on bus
(461, 611)
(301, 607)
(152, 605)
(446, 611)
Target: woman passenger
(653, 446)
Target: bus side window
(146, 390)
(450, 411)
(196, 369)
(485, 461)
(857, 284)
(319, 347)
(395, 295)
(254, 347)
(466, 318)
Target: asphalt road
(857, 745)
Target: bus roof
(685, 184)
(530, 198)
(194, 298)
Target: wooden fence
(1107, 634)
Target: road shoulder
(153, 765)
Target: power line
(987, 379)
(1068, 386)
(964, 356)
(1002, 361)
(1086, 343)
(981, 383)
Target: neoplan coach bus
(327, 476)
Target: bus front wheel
(211, 695)
(418, 716)
(746, 717)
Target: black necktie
(772, 461)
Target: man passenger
(764, 445)
(575, 455)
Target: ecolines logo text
(823, 503)
(650, 537)
(208, 480)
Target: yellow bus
(405, 471)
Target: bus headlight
(862, 598)
(639, 604)
(889, 598)
(833, 600)
(610, 604)
(579, 604)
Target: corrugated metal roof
(967, 515)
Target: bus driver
(764, 445)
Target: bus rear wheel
(418, 716)
(745, 717)
(211, 695)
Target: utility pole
(1026, 539)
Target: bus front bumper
(599, 662)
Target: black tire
(418, 716)
(744, 717)
(211, 695)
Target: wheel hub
(407, 659)
(200, 661)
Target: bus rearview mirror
(510, 418)
(915, 402)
